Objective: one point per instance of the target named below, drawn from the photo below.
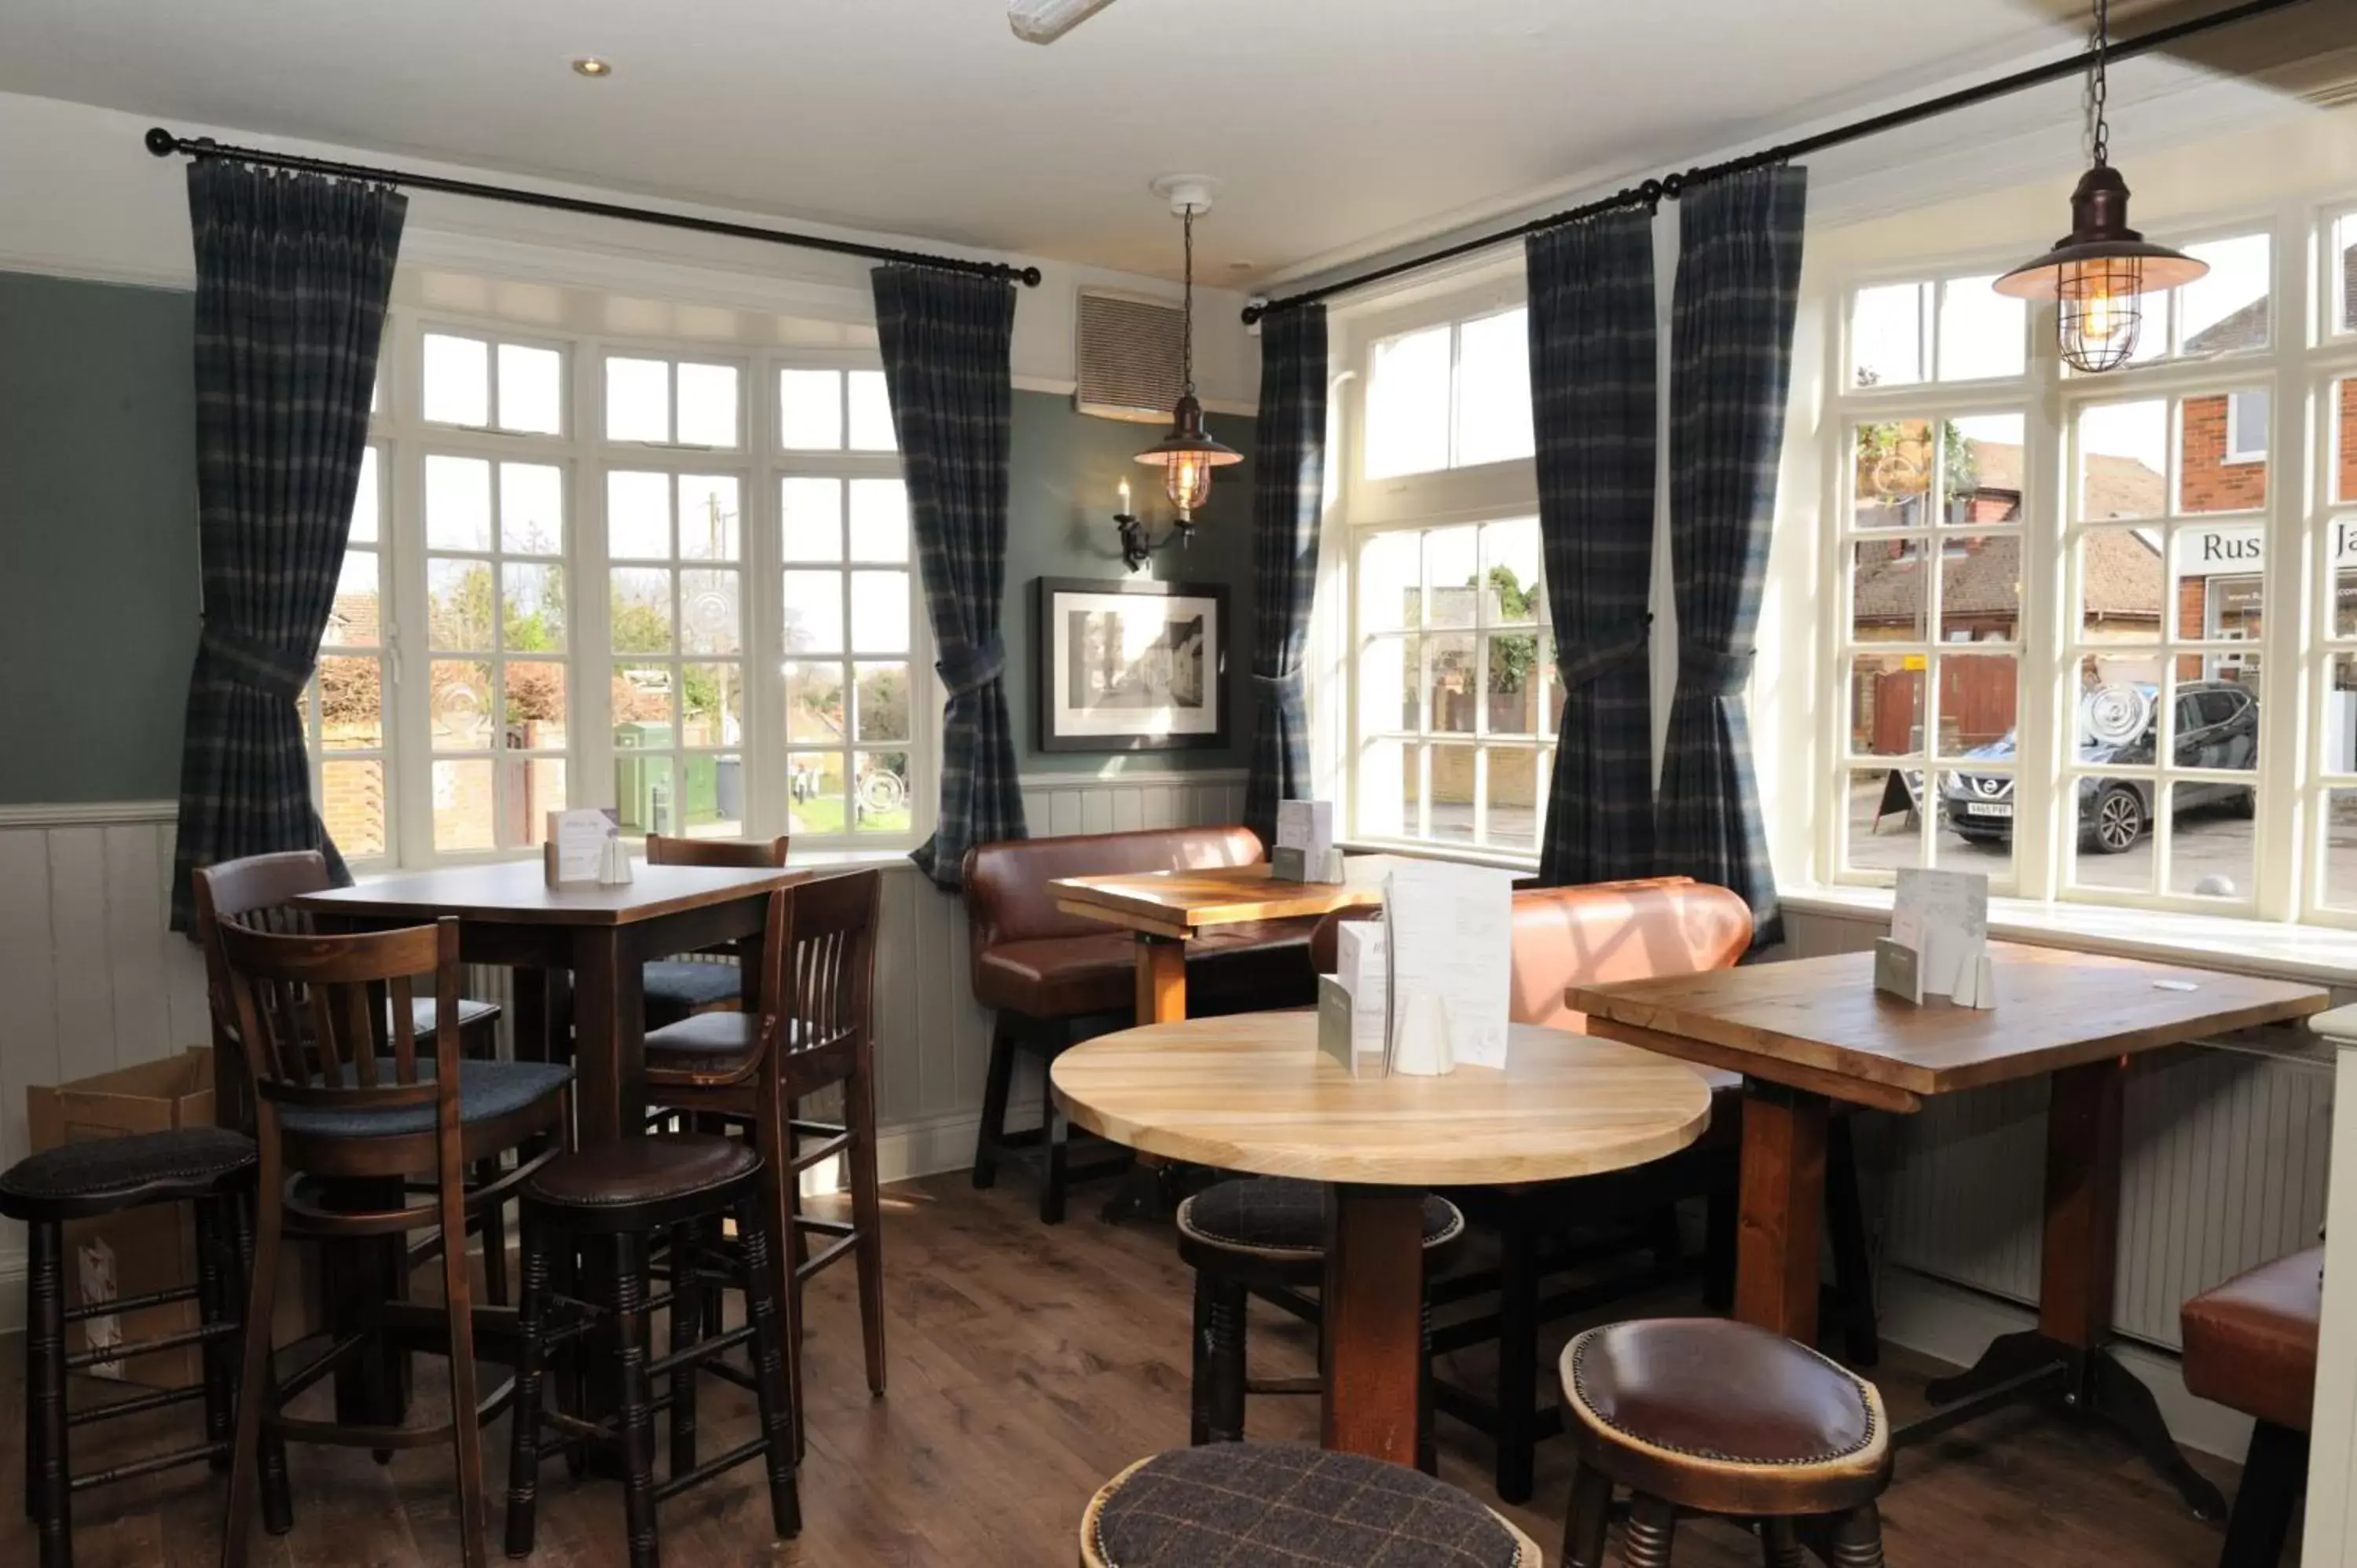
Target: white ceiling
(1337, 125)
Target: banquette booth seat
(1053, 980)
(2250, 1344)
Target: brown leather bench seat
(1228, 968)
(2250, 1344)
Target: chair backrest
(255, 893)
(665, 849)
(312, 1013)
(818, 964)
(1006, 895)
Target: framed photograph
(1128, 664)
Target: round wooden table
(1254, 1093)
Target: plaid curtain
(946, 339)
(1738, 283)
(1289, 444)
(292, 275)
(1593, 402)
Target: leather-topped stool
(1266, 1505)
(2251, 1346)
(212, 1167)
(1702, 1415)
(1267, 1235)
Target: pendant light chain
(2099, 86)
(1186, 339)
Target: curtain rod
(164, 144)
(1671, 185)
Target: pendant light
(1189, 453)
(2096, 271)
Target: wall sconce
(1137, 546)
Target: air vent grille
(1129, 357)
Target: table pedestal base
(1372, 1328)
(2083, 1385)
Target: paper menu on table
(1451, 937)
(577, 845)
(1305, 825)
(1943, 916)
(1363, 964)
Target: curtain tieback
(967, 671)
(1714, 672)
(1578, 666)
(1285, 689)
(253, 663)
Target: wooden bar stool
(632, 1193)
(204, 1165)
(1702, 1415)
(1266, 1236)
(1281, 1505)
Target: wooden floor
(1028, 1364)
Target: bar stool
(2250, 1344)
(1702, 1415)
(1282, 1505)
(632, 1192)
(1267, 1235)
(212, 1169)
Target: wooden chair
(677, 988)
(338, 1096)
(805, 1028)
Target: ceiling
(1338, 127)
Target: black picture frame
(1055, 683)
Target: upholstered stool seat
(2250, 1344)
(637, 1172)
(488, 1092)
(1284, 1216)
(676, 987)
(707, 1044)
(1702, 1415)
(100, 1175)
(1258, 1505)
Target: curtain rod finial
(1030, 276)
(162, 143)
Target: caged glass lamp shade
(1186, 457)
(2097, 275)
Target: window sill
(2314, 955)
(796, 859)
(1413, 849)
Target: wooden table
(1813, 1031)
(1253, 1093)
(1165, 908)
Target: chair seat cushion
(682, 985)
(633, 1171)
(1263, 1504)
(113, 1173)
(470, 1013)
(1254, 963)
(1282, 1215)
(704, 1044)
(486, 1091)
(2251, 1342)
(1727, 1393)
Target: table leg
(1161, 979)
(609, 1037)
(542, 1032)
(1373, 1316)
(1782, 1207)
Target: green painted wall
(98, 538)
(1060, 524)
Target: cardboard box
(152, 1248)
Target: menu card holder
(575, 853)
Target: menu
(1451, 938)
(1942, 916)
(576, 845)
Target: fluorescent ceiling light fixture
(1045, 21)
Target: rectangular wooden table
(1810, 1031)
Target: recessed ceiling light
(591, 66)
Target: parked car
(2217, 727)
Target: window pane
(1510, 554)
(2212, 475)
(644, 711)
(1980, 587)
(458, 383)
(813, 702)
(2217, 585)
(2122, 458)
(708, 525)
(1452, 794)
(355, 620)
(713, 696)
(1391, 569)
(2229, 309)
(459, 604)
(352, 704)
(2340, 547)
(637, 516)
(813, 510)
(871, 413)
(364, 502)
(1982, 332)
(532, 608)
(1974, 831)
(2219, 729)
(1514, 793)
(457, 503)
(880, 520)
(882, 794)
(883, 702)
(460, 703)
(1980, 468)
(1886, 335)
(1979, 704)
(2210, 844)
(712, 793)
(814, 612)
(1889, 591)
(531, 509)
(1452, 568)
(1379, 807)
(1886, 704)
(2122, 584)
(1892, 474)
(1452, 683)
(1390, 691)
(1493, 389)
(637, 400)
(1407, 406)
(814, 793)
(707, 406)
(708, 613)
(2339, 848)
(532, 389)
(534, 787)
(535, 705)
(1513, 695)
(1883, 831)
(643, 790)
(809, 410)
(2344, 440)
(2114, 823)
(351, 804)
(640, 612)
(879, 612)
